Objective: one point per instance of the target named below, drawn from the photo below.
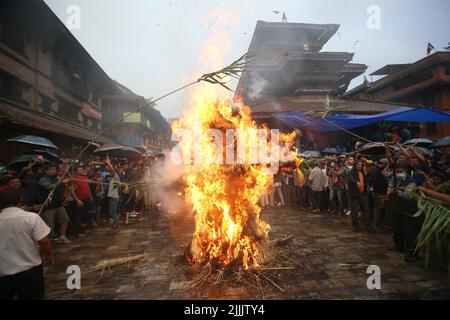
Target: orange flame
(224, 197)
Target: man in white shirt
(318, 181)
(113, 193)
(21, 235)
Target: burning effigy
(229, 163)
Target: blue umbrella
(442, 143)
(34, 140)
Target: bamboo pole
(217, 77)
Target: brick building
(146, 128)
(423, 83)
(50, 86)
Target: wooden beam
(415, 88)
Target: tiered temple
(290, 72)
(288, 57)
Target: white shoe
(348, 213)
(63, 239)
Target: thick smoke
(257, 86)
(166, 186)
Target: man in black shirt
(54, 209)
(358, 190)
(29, 198)
(379, 186)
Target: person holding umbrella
(31, 173)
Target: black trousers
(301, 197)
(405, 227)
(105, 208)
(325, 200)
(317, 199)
(74, 225)
(28, 285)
(360, 202)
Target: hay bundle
(108, 263)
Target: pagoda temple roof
(288, 61)
(297, 34)
(288, 58)
(312, 103)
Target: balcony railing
(69, 81)
(130, 140)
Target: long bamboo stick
(217, 77)
(273, 283)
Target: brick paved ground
(330, 262)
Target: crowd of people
(72, 198)
(373, 188)
(44, 202)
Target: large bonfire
(228, 165)
(225, 178)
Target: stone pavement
(330, 259)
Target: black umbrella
(373, 148)
(23, 160)
(91, 144)
(151, 154)
(107, 147)
(310, 154)
(34, 140)
(420, 142)
(424, 151)
(330, 151)
(123, 152)
(47, 155)
(442, 143)
(141, 149)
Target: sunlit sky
(153, 47)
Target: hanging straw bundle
(435, 232)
